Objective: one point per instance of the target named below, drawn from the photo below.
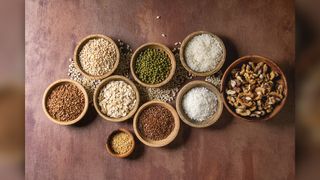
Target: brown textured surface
(231, 149)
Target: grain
(155, 122)
(152, 66)
(199, 103)
(89, 84)
(98, 56)
(121, 143)
(65, 102)
(117, 99)
(203, 53)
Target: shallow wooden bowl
(49, 90)
(163, 142)
(185, 118)
(109, 148)
(183, 60)
(79, 48)
(153, 46)
(256, 59)
(105, 82)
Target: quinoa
(156, 122)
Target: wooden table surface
(232, 149)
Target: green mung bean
(152, 66)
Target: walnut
(254, 90)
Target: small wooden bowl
(163, 142)
(79, 48)
(214, 118)
(183, 60)
(256, 59)
(153, 46)
(109, 148)
(105, 82)
(49, 90)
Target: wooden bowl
(185, 118)
(79, 48)
(255, 59)
(153, 46)
(105, 82)
(109, 148)
(49, 90)
(183, 60)
(167, 140)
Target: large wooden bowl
(185, 118)
(183, 59)
(153, 46)
(79, 48)
(163, 142)
(52, 87)
(256, 59)
(102, 85)
(109, 148)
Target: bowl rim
(166, 50)
(79, 47)
(50, 88)
(109, 149)
(169, 138)
(106, 81)
(272, 65)
(186, 88)
(183, 60)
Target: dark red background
(232, 149)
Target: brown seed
(65, 102)
(155, 122)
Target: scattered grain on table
(89, 84)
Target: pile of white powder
(203, 52)
(199, 103)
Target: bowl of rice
(202, 53)
(199, 104)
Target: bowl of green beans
(153, 65)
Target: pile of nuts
(254, 90)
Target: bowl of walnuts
(254, 88)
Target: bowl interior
(153, 46)
(256, 59)
(79, 48)
(162, 142)
(102, 85)
(51, 88)
(185, 118)
(109, 148)
(183, 59)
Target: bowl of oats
(96, 56)
(254, 88)
(116, 99)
